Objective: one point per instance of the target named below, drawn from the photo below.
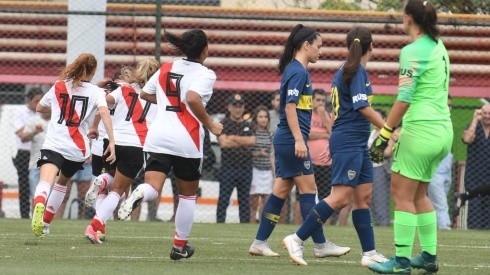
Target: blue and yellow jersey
(295, 88)
(350, 131)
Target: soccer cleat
(130, 204)
(37, 223)
(425, 261)
(92, 235)
(101, 235)
(45, 229)
(396, 265)
(295, 249)
(95, 186)
(262, 249)
(372, 257)
(186, 252)
(329, 249)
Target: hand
(300, 150)
(380, 143)
(39, 129)
(325, 156)
(110, 152)
(216, 128)
(93, 134)
(477, 115)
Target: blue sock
(362, 222)
(306, 203)
(317, 217)
(270, 217)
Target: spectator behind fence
(21, 160)
(477, 173)
(262, 171)
(236, 143)
(380, 204)
(462, 198)
(439, 188)
(274, 112)
(37, 126)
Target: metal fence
(245, 43)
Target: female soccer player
(425, 140)
(72, 102)
(181, 90)
(131, 120)
(292, 159)
(352, 170)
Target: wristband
(386, 132)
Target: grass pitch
(144, 247)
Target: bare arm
(397, 112)
(42, 109)
(106, 119)
(198, 109)
(300, 149)
(370, 114)
(226, 142)
(28, 136)
(470, 133)
(244, 141)
(148, 97)
(318, 135)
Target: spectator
(477, 173)
(439, 188)
(236, 143)
(262, 175)
(380, 205)
(462, 198)
(33, 125)
(274, 112)
(21, 161)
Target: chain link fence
(245, 43)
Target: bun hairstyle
(359, 41)
(83, 66)
(425, 15)
(296, 38)
(191, 43)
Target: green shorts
(420, 149)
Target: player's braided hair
(298, 36)
(192, 42)
(80, 69)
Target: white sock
(42, 190)
(107, 206)
(56, 198)
(184, 217)
(149, 192)
(99, 200)
(107, 178)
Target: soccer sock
(364, 227)
(270, 217)
(306, 203)
(149, 192)
(317, 217)
(107, 206)
(184, 218)
(97, 224)
(100, 198)
(404, 227)
(54, 202)
(107, 180)
(42, 191)
(427, 231)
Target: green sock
(404, 229)
(427, 229)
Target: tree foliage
(449, 6)
(339, 5)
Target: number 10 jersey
(176, 130)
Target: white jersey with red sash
(176, 130)
(132, 115)
(72, 112)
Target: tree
(449, 6)
(339, 5)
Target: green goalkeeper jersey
(424, 81)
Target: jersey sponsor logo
(351, 174)
(406, 72)
(359, 97)
(293, 92)
(304, 102)
(307, 164)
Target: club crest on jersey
(351, 174)
(307, 164)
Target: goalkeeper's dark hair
(78, 70)
(359, 41)
(425, 15)
(296, 38)
(191, 43)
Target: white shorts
(262, 181)
(97, 146)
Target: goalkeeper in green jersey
(425, 140)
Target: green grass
(143, 248)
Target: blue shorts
(288, 165)
(351, 168)
(83, 175)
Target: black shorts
(97, 165)
(68, 168)
(129, 160)
(188, 169)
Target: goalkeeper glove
(379, 145)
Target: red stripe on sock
(180, 243)
(98, 225)
(39, 199)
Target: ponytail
(192, 43)
(424, 14)
(293, 43)
(83, 66)
(359, 41)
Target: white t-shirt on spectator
(37, 140)
(21, 116)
